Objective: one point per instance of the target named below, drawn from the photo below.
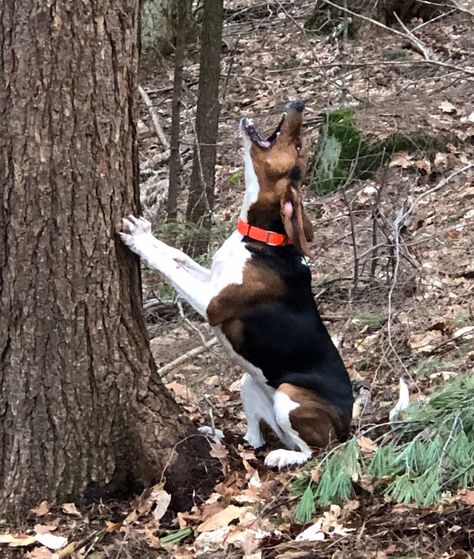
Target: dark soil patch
(194, 474)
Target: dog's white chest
(229, 262)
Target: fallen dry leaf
(425, 342)
(424, 165)
(46, 528)
(312, 534)
(162, 500)
(70, 508)
(447, 107)
(19, 540)
(247, 539)
(212, 541)
(401, 159)
(366, 445)
(222, 518)
(182, 392)
(51, 541)
(466, 332)
(113, 526)
(40, 553)
(218, 450)
(41, 509)
(315, 475)
(467, 496)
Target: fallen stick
(154, 118)
(187, 356)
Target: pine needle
(306, 508)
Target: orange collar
(262, 235)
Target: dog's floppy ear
(297, 224)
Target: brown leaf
(366, 445)
(39, 553)
(46, 528)
(222, 518)
(181, 520)
(132, 516)
(401, 159)
(70, 508)
(19, 540)
(41, 509)
(424, 165)
(425, 342)
(467, 496)
(182, 392)
(113, 526)
(315, 475)
(218, 450)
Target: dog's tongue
(288, 209)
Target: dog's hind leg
(283, 405)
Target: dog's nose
(297, 105)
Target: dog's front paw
(134, 231)
(136, 225)
(282, 458)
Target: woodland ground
(408, 313)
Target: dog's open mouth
(252, 133)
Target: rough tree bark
(201, 191)
(79, 397)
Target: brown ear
(297, 224)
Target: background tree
(201, 191)
(175, 160)
(159, 31)
(80, 401)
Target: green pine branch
(430, 452)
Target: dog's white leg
(254, 402)
(258, 404)
(283, 405)
(183, 259)
(177, 255)
(137, 236)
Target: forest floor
(393, 275)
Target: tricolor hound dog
(257, 296)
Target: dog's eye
(298, 147)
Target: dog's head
(274, 170)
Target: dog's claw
(136, 225)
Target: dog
(257, 296)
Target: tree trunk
(159, 30)
(175, 160)
(80, 403)
(201, 192)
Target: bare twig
(463, 6)
(417, 43)
(439, 186)
(187, 356)
(400, 34)
(154, 118)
